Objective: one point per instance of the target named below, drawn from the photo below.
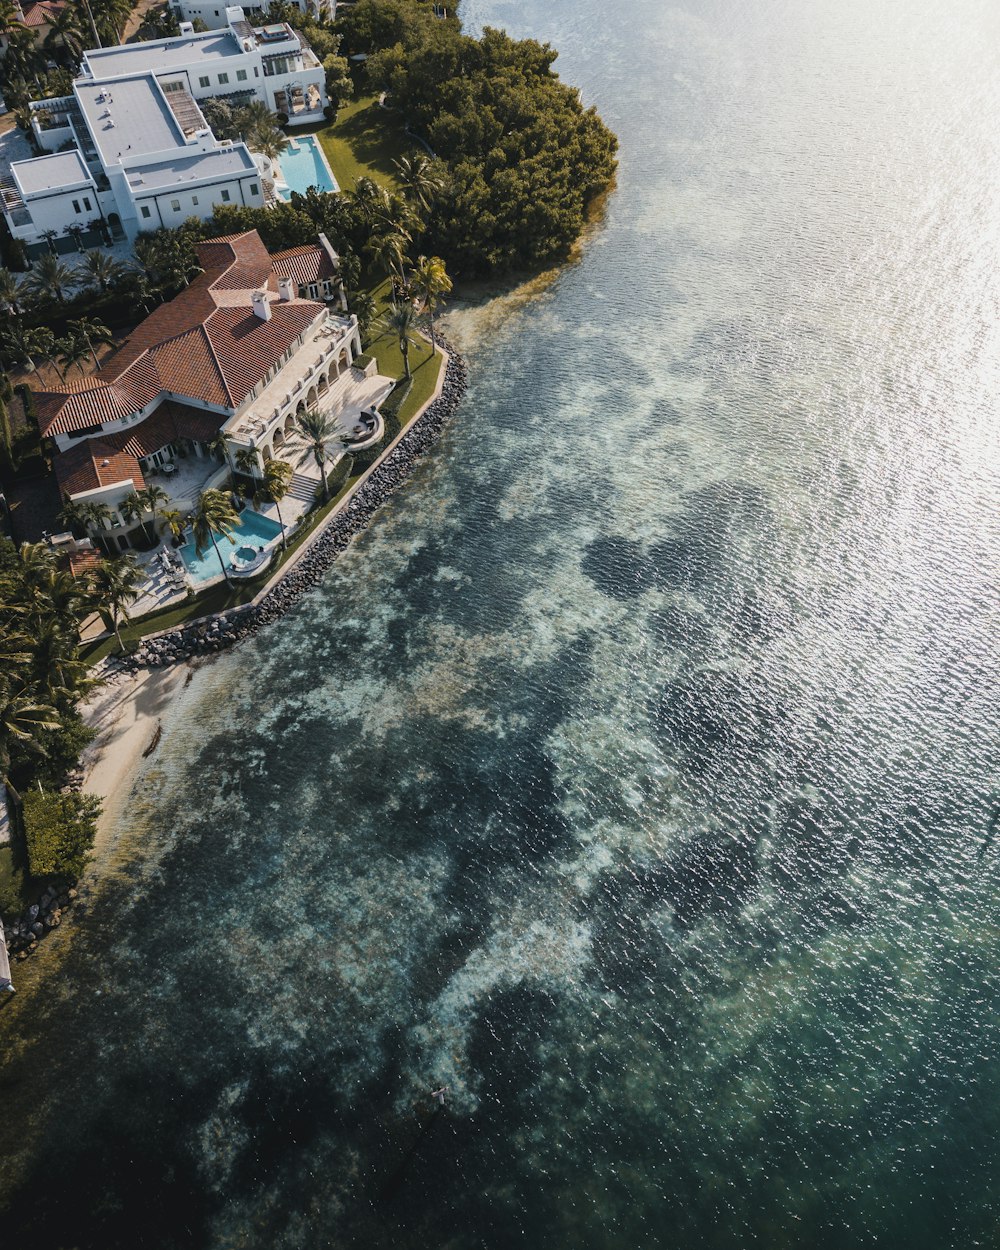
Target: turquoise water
(304, 166)
(633, 775)
(254, 530)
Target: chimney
(286, 290)
(261, 307)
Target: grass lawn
(363, 143)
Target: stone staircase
(302, 488)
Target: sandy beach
(126, 713)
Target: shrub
(363, 361)
(342, 471)
(59, 830)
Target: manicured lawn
(363, 143)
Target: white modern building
(241, 351)
(213, 14)
(131, 145)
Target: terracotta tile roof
(93, 463)
(303, 264)
(249, 266)
(207, 343)
(169, 422)
(81, 562)
(43, 13)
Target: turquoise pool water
(304, 166)
(254, 530)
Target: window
(86, 203)
(76, 206)
(256, 72)
(223, 79)
(194, 200)
(241, 75)
(172, 86)
(253, 188)
(175, 206)
(205, 82)
(145, 210)
(225, 197)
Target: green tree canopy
(59, 830)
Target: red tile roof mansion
(198, 363)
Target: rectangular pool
(303, 165)
(253, 530)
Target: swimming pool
(303, 165)
(253, 530)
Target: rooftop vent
(187, 28)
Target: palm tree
(22, 345)
(73, 350)
(214, 515)
(22, 717)
(317, 431)
(421, 179)
(267, 139)
(49, 279)
(60, 674)
(100, 268)
(76, 514)
(277, 476)
(115, 584)
(92, 332)
(167, 259)
(77, 231)
(364, 307)
(176, 522)
(66, 33)
(49, 348)
(99, 518)
(140, 502)
(10, 292)
(401, 321)
(389, 251)
(246, 462)
(429, 281)
(86, 514)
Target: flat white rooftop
(62, 171)
(129, 117)
(181, 170)
(161, 54)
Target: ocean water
(635, 776)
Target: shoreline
(216, 632)
(139, 692)
(126, 712)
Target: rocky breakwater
(214, 634)
(38, 920)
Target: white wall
(55, 211)
(213, 13)
(163, 212)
